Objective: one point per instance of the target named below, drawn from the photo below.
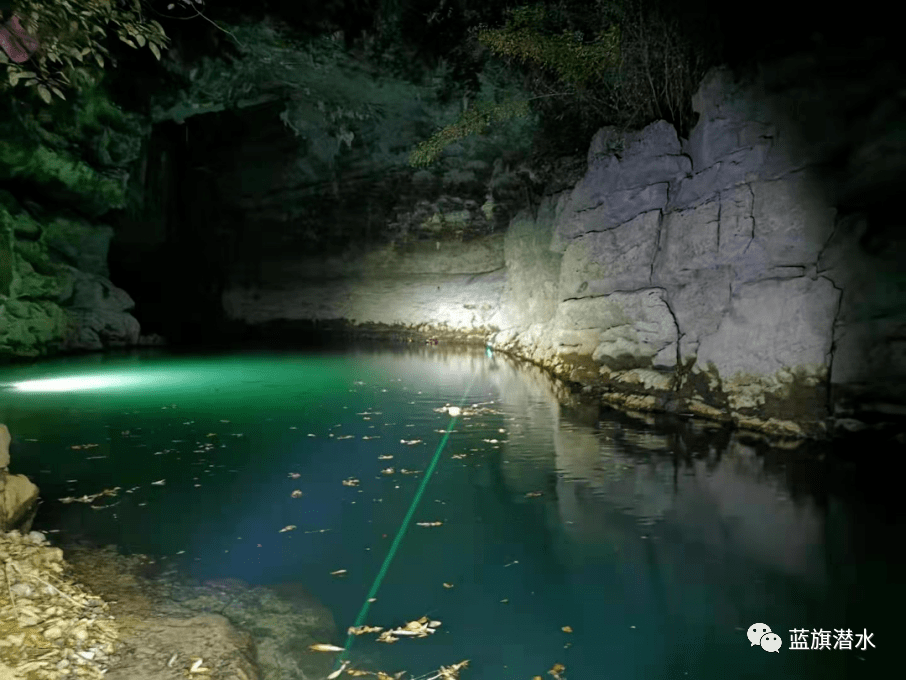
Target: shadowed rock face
(745, 274)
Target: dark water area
(623, 546)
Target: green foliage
(71, 34)
(567, 55)
(474, 120)
(624, 63)
(338, 106)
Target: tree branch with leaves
(71, 36)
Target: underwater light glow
(73, 384)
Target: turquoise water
(656, 542)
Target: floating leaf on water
(321, 647)
(352, 481)
(387, 457)
(448, 585)
(429, 524)
(409, 472)
(386, 637)
(159, 482)
(294, 475)
(362, 630)
(387, 471)
(288, 527)
(410, 442)
(567, 629)
(534, 494)
(338, 672)
(338, 572)
(505, 600)
(557, 669)
(296, 494)
(346, 436)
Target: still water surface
(654, 543)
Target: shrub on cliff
(620, 62)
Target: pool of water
(620, 546)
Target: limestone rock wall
(746, 274)
(54, 290)
(715, 276)
(437, 286)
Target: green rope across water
(402, 532)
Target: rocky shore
(76, 610)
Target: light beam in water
(74, 384)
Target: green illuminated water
(657, 542)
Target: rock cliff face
(747, 274)
(54, 291)
(61, 173)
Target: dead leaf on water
(294, 475)
(337, 673)
(387, 457)
(429, 524)
(78, 447)
(448, 585)
(387, 471)
(352, 481)
(288, 527)
(320, 647)
(338, 572)
(92, 497)
(534, 494)
(362, 630)
(159, 482)
(418, 628)
(567, 629)
(410, 442)
(557, 669)
(296, 494)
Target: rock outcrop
(18, 496)
(54, 291)
(737, 275)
